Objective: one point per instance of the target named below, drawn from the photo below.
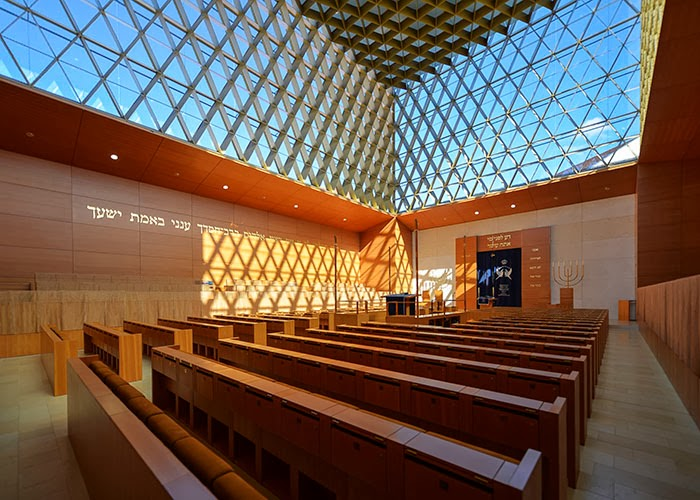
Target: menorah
(567, 278)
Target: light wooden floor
(641, 444)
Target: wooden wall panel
(166, 246)
(106, 263)
(536, 258)
(163, 266)
(19, 261)
(669, 315)
(100, 239)
(36, 232)
(668, 221)
(104, 187)
(34, 202)
(40, 174)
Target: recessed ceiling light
(296, 206)
(345, 219)
(607, 188)
(556, 197)
(512, 205)
(225, 186)
(114, 156)
(177, 174)
(476, 212)
(29, 134)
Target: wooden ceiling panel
(556, 193)
(37, 125)
(608, 184)
(501, 203)
(174, 158)
(101, 136)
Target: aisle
(642, 442)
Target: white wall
(602, 233)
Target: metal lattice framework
(556, 98)
(400, 39)
(253, 80)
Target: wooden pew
(507, 341)
(119, 350)
(298, 443)
(274, 325)
(205, 336)
(523, 359)
(249, 331)
(561, 335)
(156, 336)
(126, 447)
(465, 329)
(499, 422)
(523, 382)
(301, 323)
(55, 352)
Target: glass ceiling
(555, 98)
(252, 80)
(257, 81)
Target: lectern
(400, 304)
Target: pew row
(496, 342)
(127, 447)
(523, 382)
(499, 422)
(205, 336)
(119, 350)
(523, 359)
(274, 325)
(249, 331)
(301, 323)
(303, 445)
(465, 329)
(156, 336)
(55, 352)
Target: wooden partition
(156, 336)
(669, 319)
(205, 336)
(302, 445)
(55, 352)
(250, 331)
(274, 325)
(118, 456)
(119, 350)
(301, 323)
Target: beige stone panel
(34, 202)
(23, 261)
(205, 208)
(601, 209)
(105, 187)
(36, 233)
(165, 245)
(106, 263)
(89, 238)
(104, 213)
(559, 215)
(605, 229)
(164, 199)
(27, 171)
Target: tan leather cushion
(200, 460)
(231, 486)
